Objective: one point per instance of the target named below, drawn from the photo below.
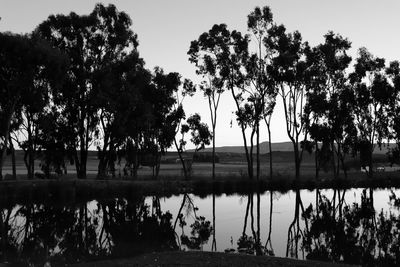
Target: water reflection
(201, 229)
(37, 233)
(354, 233)
(352, 226)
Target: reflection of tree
(214, 242)
(295, 233)
(268, 244)
(251, 244)
(133, 228)
(201, 229)
(36, 233)
(200, 233)
(187, 203)
(8, 246)
(354, 234)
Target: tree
(119, 87)
(168, 109)
(29, 67)
(261, 87)
(200, 137)
(207, 53)
(91, 42)
(393, 73)
(329, 108)
(48, 76)
(373, 98)
(152, 126)
(288, 70)
(16, 74)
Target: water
(355, 226)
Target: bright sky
(166, 28)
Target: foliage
(200, 233)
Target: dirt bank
(191, 258)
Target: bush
(205, 157)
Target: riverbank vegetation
(78, 83)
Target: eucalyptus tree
(175, 120)
(200, 137)
(223, 54)
(118, 90)
(16, 74)
(48, 76)
(330, 120)
(91, 42)
(373, 96)
(207, 53)
(151, 126)
(261, 85)
(288, 70)
(165, 99)
(393, 74)
(29, 67)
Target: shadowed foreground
(192, 258)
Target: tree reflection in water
(295, 232)
(353, 233)
(252, 244)
(330, 229)
(35, 233)
(201, 229)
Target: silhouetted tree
(207, 53)
(289, 73)
(260, 83)
(372, 99)
(29, 67)
(48, 76)
(200, 137)
(393, 73)
(92, 42)
(119, 87)
(329, 121)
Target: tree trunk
(258, 151)
(297, 162)
(268, 243)
(246, 215)
(343, 165)
(270, 150)
(333, 160)
(6, 138)
(158, 164)
(31, 160)
(370, 164)
(182, 160)
(249, 158)
(251, 163)
(111, 159)
(214, 242)
(13, 162)
(316, 160)
(213, 154)
(82, 172)
(258, 247)
(102, 167)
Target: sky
(166, 28)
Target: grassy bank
(67, 189)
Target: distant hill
(282, 146)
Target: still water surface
(355, 226)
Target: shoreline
(65, 189)
(200, 258)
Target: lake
(355, 226)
